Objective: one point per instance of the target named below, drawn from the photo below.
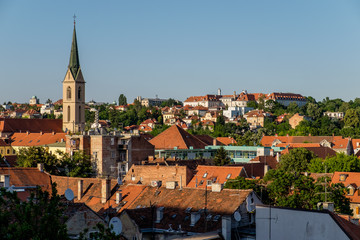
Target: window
(79, 93)
(68, 114)
(228, 176)
(208, 183)
(68, 93)
(343, 177)
(8, 151)
(351, 191)
(205, 175)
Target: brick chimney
(80, 189)
(214, 142)
(105, 190)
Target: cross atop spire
(74, 18)
(74, 63)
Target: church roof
(74, 63)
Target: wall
(148, 173)
(295, 224)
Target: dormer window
(351, 190)
(343, 177)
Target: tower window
(68, 114)
(79, 114)
(79, 93)
(68, 93)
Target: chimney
(329, 206)
(41, 133)
(234, 94)
(195, 216)
(80, 189)
(5, 179)
(266, 169)
(214, 142)
(180, 181)
(278, 157)
(105, 190)
(27, 132)
(118, 197)
(216, 187)
(159, 214)
(40, 166)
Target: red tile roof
(36, 139)
(176, 202)
(226, 140)
(267, 141)
(12, 125)
(27, 177)
(351, 178)
(175, 136)
(217, 174)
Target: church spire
(74, 63)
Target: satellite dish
(69, 194)
(237, 216)
(116, 225)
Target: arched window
(68, 93)
(79, 93)
(68, 114)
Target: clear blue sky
(181, 48)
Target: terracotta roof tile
(226, 140)
(216, 174)
(12, 125)
(175, 136)
(36, 139)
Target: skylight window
(205, 175)
(188, 210)
(228, 176)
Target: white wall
(295, 224)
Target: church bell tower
(74, 93)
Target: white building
(233, 112)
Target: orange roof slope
(92, 192)
(226, 140)
(217, 174)
(338, 141)
(36, 139)
(177, 137)
(26, 177)
(178, 205)
(32, 125)
(352, 178)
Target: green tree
(221, 157)
(339, 163)
(38, 218)
(352, 118)
(296, 160)
(79, 165)
(122, 100)
(30, 157)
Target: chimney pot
(105, 190)
(80, 188)
(118, 197)
(40, 166)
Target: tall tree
(221, 157)
(122, 99)
(296, 160)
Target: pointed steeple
(74, 63)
